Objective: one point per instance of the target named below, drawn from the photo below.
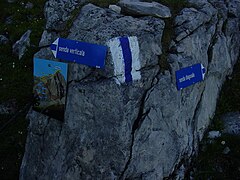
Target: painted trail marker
(190, 75)
(80, 52)
(125, 55)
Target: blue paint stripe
(127, 56)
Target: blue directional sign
(190, 75)
(80, 52)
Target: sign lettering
(80, 52)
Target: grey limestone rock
(98, 122)
(231, 123)
(8, 108)
(214, 134)
(106, 24)
(47, 38)
(139, 8)
(145, 129)
(9, 20)
(20, 47)
(198, 3)
(115, 8)
(226, 150)
(3, 40)
(190, 19)
(57, 12)
(233, 8)
(29, 5)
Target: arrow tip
(54, 47)
(203, 71)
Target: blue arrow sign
(190, 75)
(80, 52)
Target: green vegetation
(16, 78)
(12, 148)
(168, 33)
(211, 163)
(229, 100)
(17, 82)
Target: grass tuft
(211, 163)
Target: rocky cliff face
(142, 130)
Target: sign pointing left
(80, 52)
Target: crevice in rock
(167, 37)
(90, 78)
(54, 31)
(43, 135)
(136, 126)
(73, 16)
(213, 41)
(121, 177)
(212, 4)
(147, 67)
(191, 33)
(196, 112)
(141, 114)
(139, 120)
(185, 159)
(42, 47)
(186, 30)
(93, 76)
(59, 146)
(224, 27)
(70, 147)
(178, 164)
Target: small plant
(211, 162)
(16, 79)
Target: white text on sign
(187, 77)
(72, 51)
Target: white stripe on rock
(136, 66)
(118, 61)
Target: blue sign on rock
(190, 75)
(80, 52)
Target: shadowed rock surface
(232, 123)
(146, 129)
(20, 47)
(138, 8)
(8, 107)
(3, 40)
(57, 12)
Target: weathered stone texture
(20, 47)
(3, 40)
(231, 123)
(139, 8)
(142, 130)
(58, 12)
